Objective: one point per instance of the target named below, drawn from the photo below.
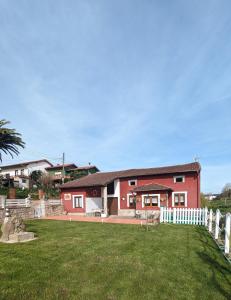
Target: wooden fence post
(227, 232)
(206, 216)
(217, 224)
(210, 220)
(161, 214)
(174, 215)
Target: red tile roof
(151, 187)
(61, 166)
(103, 178)
(89, 167)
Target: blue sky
(120, 84)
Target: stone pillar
(104, 196)
(12, 193)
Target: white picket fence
(193, 216)
(217, 224)
(219, 227)
(55, 201)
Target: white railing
(193, 216)
(54, 201)
(14, 203)
(219, 227)
(217, 224)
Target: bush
(22, 194)
(204, 201)
(4, 191)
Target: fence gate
(39, 211)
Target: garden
(78, 260)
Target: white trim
(152, 195)
(117, 191)
(73, 197)
(179, 176)
(129, 182)
(128, 194)
(179, 192)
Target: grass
(73, 260)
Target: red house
(127, 192)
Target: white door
(92, 204)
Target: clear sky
(120, 83)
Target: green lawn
(73, 260)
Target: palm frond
(10, 140)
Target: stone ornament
(13, 230)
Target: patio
(110, 219)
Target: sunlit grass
(72, 260)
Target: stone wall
(29, 212)
(54, 210)
(23, 212)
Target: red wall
(191, 186)
(86, 192)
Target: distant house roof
(58, 167)
(89, 167)
(103, 178)
(151, 187)
(24, 164)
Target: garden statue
(13, 230)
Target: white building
(19, 173)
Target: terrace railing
(14, 203)
(55, 201)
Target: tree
(226, 191)
(10, 140)
(35, 177)
(46, 181)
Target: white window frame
(179, 176)
(129, 182)
(128, 203)
(152, 195)
(73, 201)
(186, 198)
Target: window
(23, 180)
(78, 201)
(22, 172)
(151, 200)
(131, 201)
(16, 172)
(132, 182)
(111, 188)
(178, 179)
(179, 199)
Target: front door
(112, 206)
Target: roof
(103, 178)
(89, 167)
(23, 164)
(56, 167)
(151, 187)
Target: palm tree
(10, 140)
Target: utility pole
(63, 172)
